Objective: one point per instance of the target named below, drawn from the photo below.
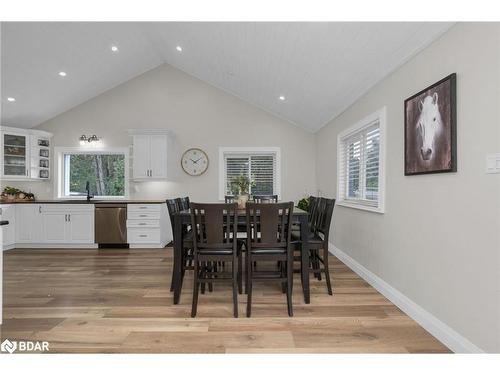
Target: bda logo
(8, 346)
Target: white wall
(200, 115)
(438, 242)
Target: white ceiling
(321, 68)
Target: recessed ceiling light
(282, 98)
(114, 48)
(178, 48)
(62, 74)
(11, 99)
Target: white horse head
(429, 125)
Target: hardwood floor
(103, 301)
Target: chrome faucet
(89, 196)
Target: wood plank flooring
(115, 300)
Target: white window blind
(261, 169)
(360, 165)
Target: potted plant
(240, 187)
(303, 204)
(10, 192)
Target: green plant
(241, 185)
(303, 204)
(11, 190)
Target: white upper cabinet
(25, 154)
(152, 154)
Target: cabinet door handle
(65, 217)
(26, 172)
(39, 209)
(1, 210)
(69, 217)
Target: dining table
(183, 219)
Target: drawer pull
(143, 235)
(143, 224)
(143, 215)
(143, 208)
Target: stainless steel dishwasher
(111, 224)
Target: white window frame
(354, 130)
(223, 151)
(60, 152)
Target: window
(360, 159)
(260, 165)
(105, 171)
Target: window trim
(223, 151)
(380, 116)
(59, 152)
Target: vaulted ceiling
(319, 68)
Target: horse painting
(430, 124)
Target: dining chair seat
(215, 252)
(268, 251)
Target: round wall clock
(194, 162)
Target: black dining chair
(214, 241)
(318, 238)
(183, 203)
(265, 198)
(268, 239)
(187, 240)
(229, 199)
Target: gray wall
(201, 116)
(438, 242)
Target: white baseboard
(449, 337)
(55, 246)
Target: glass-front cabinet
(15, 155)
(25, 154)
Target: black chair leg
(327, 271)
(235, 288)
(240, 272)
(204, 276)
(249, 287)
(289, 280)
(196, 286)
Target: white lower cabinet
(53, 224)
(8, 212)
(148, 225)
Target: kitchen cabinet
(151, 150)
(28, 223)
(68, 224)
(81, 227)
(148, 225)
(25, 154)
(7, 212)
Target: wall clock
(194, 162)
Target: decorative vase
(242, 200)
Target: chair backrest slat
(173, 208)
(268, 224)
(183, 203)
(265, 198)
(214, 225)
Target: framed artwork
(431, 129)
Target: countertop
(84, 201)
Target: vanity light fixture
(90, 140)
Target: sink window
(106, 172)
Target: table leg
(177, 270)
(304, 252)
